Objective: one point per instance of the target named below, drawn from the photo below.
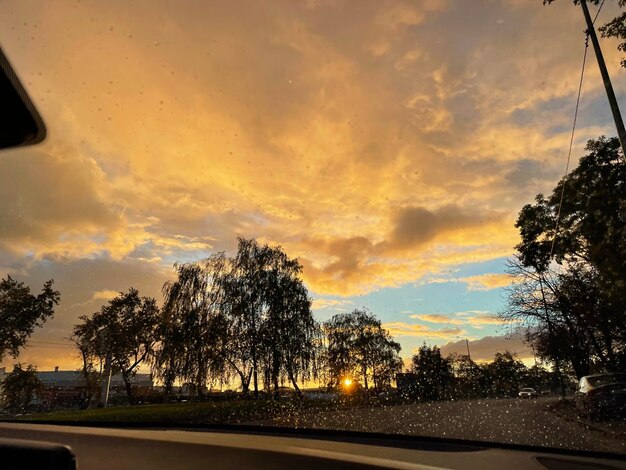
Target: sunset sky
(387, 144)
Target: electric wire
(598, 12)
(571, 144)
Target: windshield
(353, 215)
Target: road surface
(529, 422)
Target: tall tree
(272, 334)
(471, 380)
(358, 346)
(290, 334)
(536, 309)
(20, 387)
(592, 217)
(91, 350)
(248, 316)
(244, 294)
(122, 333)
(21, 312)
(193, 328)
(582, 286)
(506, 373)
(434, 373)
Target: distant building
(67, 387)
(61, 378)
(74, 378)
(138, 380)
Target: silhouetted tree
(123, 333)
(88, 344)
(20, 387)
(21, 312)
(580, 292)
(592, 221)
(358, 346)
(246, 295)
(290, 335)
(541, 379)
(506, 373)
(434, 373)
(616, 28)
(271, 329)
(471, 380)
(193, 329)
(537, 309)
(246, 316)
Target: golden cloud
(474, 318)
(437, 318)
(421, 331)
(46, 356)
(318, 125)
(487, 281)
(481, 282)
(104, 295)
(480, 320)
(333, 304)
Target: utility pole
(468, 350)
(105, 383)
(610, 94)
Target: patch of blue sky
(442, 295)
(595, 113)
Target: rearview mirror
(20, 123)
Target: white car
(601, 395)
(527, 393)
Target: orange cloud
(437, 318)
(487, 281)
(104, 295)
(473, 318)
(480, 320)
(480, 282)
(333, 304)
(351, 133)
(420, 331)
(301, 153)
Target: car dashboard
(92, 448)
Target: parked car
(601, 395)
(527, 393)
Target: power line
(48, 344)
(598, 12)
(40, 341)
(606, 79)
(571, 143)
